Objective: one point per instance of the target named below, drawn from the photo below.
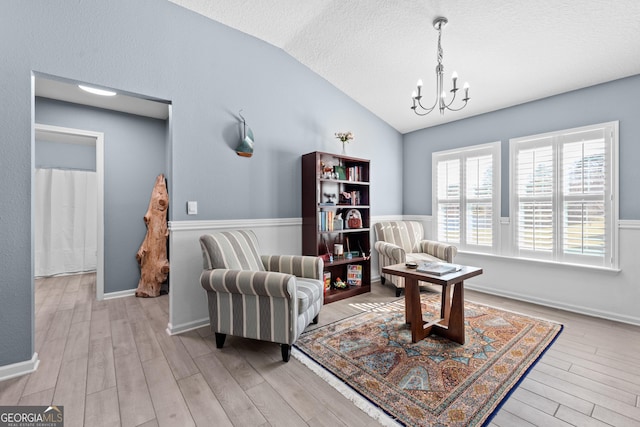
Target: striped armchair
(402, 241)
(269, 297)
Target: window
(563, 204)
(466, 199)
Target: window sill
(542, 262)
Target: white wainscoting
(608, 294)
(187, 300)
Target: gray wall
(209, 72)
(616, 100)
(134, 155)
(62, 155)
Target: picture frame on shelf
(340, 172)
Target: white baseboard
(120, 294)
(554, 304)
(187, 326)
(20, 368)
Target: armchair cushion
(441, 251)
(235, 250)
(298, 265)
(405, 234)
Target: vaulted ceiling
(509, 52)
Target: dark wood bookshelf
(318, 237)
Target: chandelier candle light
(441, 94)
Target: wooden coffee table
(451, 322)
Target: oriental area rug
(370, 358)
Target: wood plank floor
(110, 363)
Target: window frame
(610, 258)
(462, 154)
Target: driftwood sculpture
(152, 255)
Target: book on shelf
(325, 220)
(354, 173)
(437, 268)
(354, 275)
(327, 280)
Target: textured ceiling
(509, 52)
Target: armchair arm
(309, 267)
(443, 251)
(394, 253)
(248, 282)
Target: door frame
(82, 136)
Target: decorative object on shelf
(345, 198)
(337, 222)
(338, 249)
(354, 219)
(344, 137)
(441, 95)
(339, 283)
(327, 170)
(331, 199)
(245, 149)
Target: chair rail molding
(572, 289)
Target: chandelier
(441, 94)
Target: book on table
(437, 268)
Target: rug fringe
(367, 407)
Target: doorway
(64, 135)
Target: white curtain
(66, 228)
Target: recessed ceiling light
(97, 91)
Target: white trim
(542, 261)
(189, 326)
(120, 294)
(609, 315)
(421, 218)
(19, 368)
(233, 223)
(629, 224)
(99, 144)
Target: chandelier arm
(429, 109)
(458, 109)
(452, 99)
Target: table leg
(445, 305)
(413, 310)
(455, 331)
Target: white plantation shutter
(562, 195)
(534, 187)
(479, 196)
(584, 193)
(448, 190)
(466, 196)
